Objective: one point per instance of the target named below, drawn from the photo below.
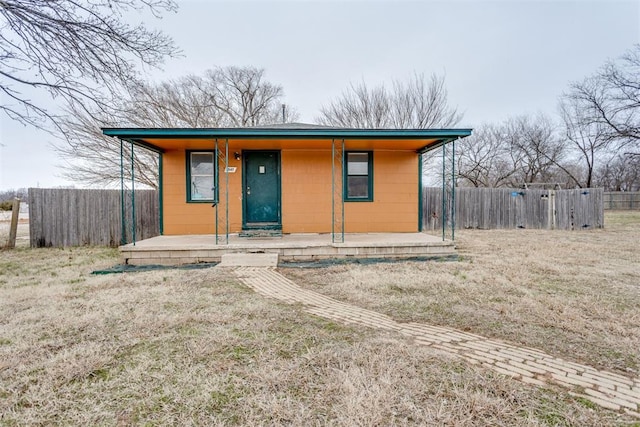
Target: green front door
(261, 194)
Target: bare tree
(521, 150)
(620, 173)
(419, 103)
(10, 194)
(224, 97)
(93, 159)
(173, 103)
(611, 99)
(74, 50)
(533, 141)
(588, 140)
(244, 97)
(485, 160)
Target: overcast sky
(500, 58)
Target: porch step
(249, 260)
(260, 234)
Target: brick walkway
(528, 365)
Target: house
(289, 179)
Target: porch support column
(222, 212)
(337, 191)
(160, 200)
(444, 191)
(420, 195)
(226, 189)
(133, 198)
(448, 189)
(123, 228)
(453, 189)
(216, 178)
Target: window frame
(345, 177)
(188, 154)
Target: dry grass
(572, 294)
(22, 235)
(196, 348)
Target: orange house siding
(181, 217)
(395, 199)
(306, 195)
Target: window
(358, 176)
(200, 176)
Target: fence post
(552, 209)
(13, 230)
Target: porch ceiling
(287, 138)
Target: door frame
(263, 226)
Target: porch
(187, 249)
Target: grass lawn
(179, 347)
(572, 294)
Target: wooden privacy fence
(69, 217)
(622, 200)
(495, 208)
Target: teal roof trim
(144, 133)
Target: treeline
(535, 150)
(593, 141)
(231, 97)
(85, 56)
(7, 196)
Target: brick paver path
(528, 365)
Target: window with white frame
(200, 176)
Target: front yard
(177, 347)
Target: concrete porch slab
(248, 260)
(184, 249)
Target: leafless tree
(521, 150)
(73, 50)
(588, 140)
(173, 103)
(244, 97)
(484, 159)
(224, 97)
(621, 173)
(533, 141)
(10, 194)
(419, 103)
(92, 159)
(611, 98)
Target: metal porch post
(444, 195)
(342, 166)
(221, 162)
(333, 190)
(337, 192)
(160, 200)
(420, 196)
(133, 199)
(226, 189)
(453, 190)
(216, 180)
(123, 227)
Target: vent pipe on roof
(283, 112)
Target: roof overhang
(162, 139)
